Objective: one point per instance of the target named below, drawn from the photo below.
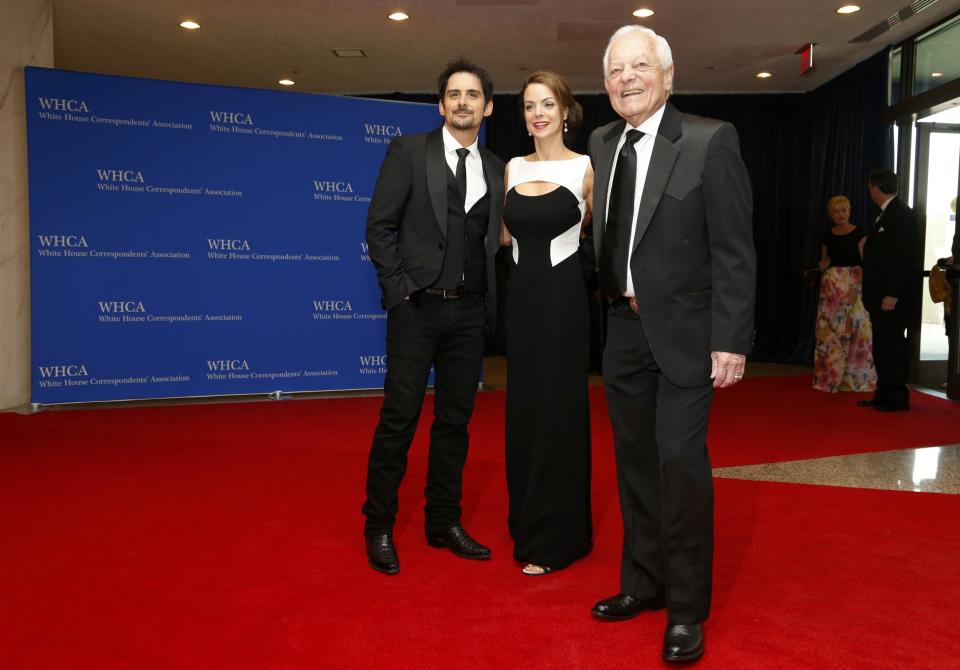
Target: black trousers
(663, 474)
(423, 331)
(890, 355)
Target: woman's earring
(565, 129)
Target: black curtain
(800, 149)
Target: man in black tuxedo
(673, 236)
(889, 292)
(432, 232)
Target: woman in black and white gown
(548, 336)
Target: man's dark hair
(461, 64)
(885, 180)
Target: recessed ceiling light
(398, 16)
(189, 25)
(286, 82)
(643, 13)
(936, 74)
(848, 9)
(764, 75)
(349, 53)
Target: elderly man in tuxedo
(433, 229)
(673, 238)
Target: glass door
(935, 201)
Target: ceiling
(718, 45)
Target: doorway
(935, 199)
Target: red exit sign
(806, 58)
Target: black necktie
(461, 173)
(616, 234)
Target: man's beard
(462, 123)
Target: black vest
(465, 256)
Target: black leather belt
(444, 293)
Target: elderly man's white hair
(660, 45)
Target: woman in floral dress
(844, 360)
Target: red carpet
(228, 536)
(768, 419)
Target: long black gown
(548, 339)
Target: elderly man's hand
(888, 304)
(727, 369)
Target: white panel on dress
(566, 174)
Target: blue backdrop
(201, 240)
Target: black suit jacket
(407, 218)
(693, 263)
(888, 258)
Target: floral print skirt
(844, 357)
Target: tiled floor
(931, 470)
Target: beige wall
(26, 38)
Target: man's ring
(737, 378)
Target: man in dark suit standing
(888, 292)
(433, 231)
(673, 237)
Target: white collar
(450, 144)
(651, 126)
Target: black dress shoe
(683, 642)
(622, 607)
(873, 402)
(893, 407)
(381, 554)
(457, 540)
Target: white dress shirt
(644, 149)
(476, 184)
(883, 208)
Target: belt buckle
(444, 293)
